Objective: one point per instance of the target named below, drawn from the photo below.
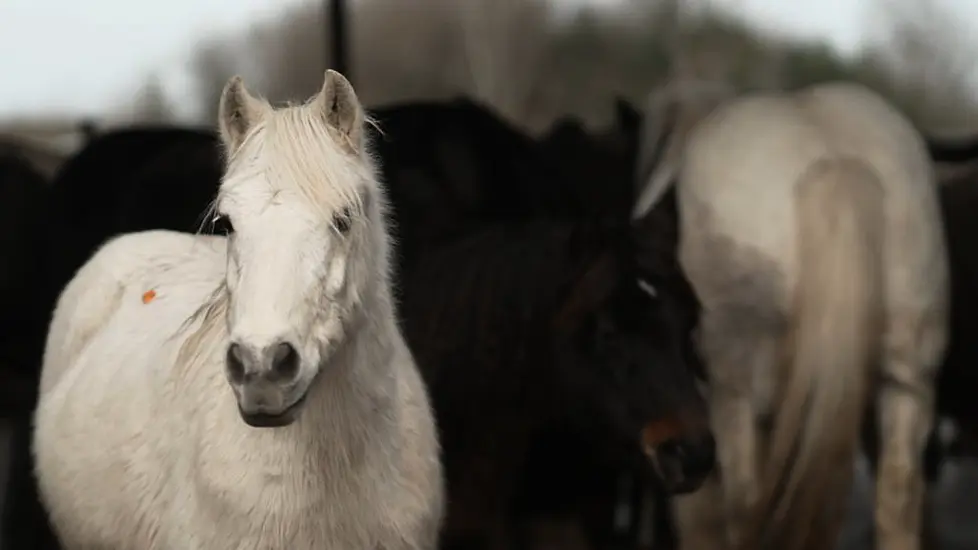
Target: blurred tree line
(534, 63)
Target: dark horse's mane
(453, 166)
(500, 285)
(472, 156)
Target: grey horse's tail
(837, 318)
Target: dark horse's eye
(648, 288)
(222, 224)
(342, 220)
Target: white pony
(810, 231)
(155, 388)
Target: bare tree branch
(533, 66)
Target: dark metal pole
(338, 36)
(89, 129)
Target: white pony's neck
(354, 381)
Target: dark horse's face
(631, 342)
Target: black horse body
(527, 330)
(25, 215)
(958, 380)
(23, 198)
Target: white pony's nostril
(285, 361)
(235, 363)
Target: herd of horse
(422, 328)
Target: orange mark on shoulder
(148, 296)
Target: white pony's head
(306, 245)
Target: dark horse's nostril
(673, 448)
(700, 455)
(285, 361)
(235, 365)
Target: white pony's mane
(211, 330)
(294, 152)
(288, 148)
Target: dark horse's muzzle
(682, 451)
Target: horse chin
(273, 420)
(682, 486)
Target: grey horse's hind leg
(741, 347)
(933, 461)
(913, 346)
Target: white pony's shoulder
(135, 257)
(94, 294)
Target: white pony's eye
(647, 288)
(222, 224)
(343, 219)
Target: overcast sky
(83, 56)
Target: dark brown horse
(525, 329)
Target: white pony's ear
(237, 113)
(340, 108)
